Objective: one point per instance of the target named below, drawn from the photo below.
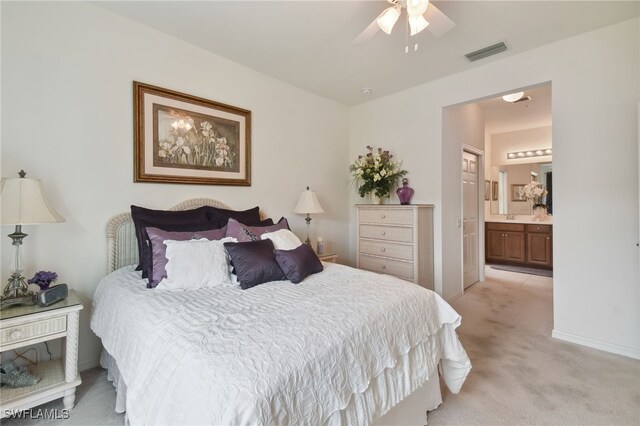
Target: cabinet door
(539, 249)
(495, 245)
(514, 246)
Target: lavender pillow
(158, 250)
(254, 262)
(221, 216)
(298, 263)
(158, 218)
(244, 233)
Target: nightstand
(26, 325)
(328, 257)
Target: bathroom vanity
(519, 242)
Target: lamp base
(17, 290)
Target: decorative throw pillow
(195, 264)
(283, 239)
(178, 227)
(244, 233)
(221, 216)
(158, 218)
(254, 262)
(157, 248)
(298, 263)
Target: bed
(344, 346)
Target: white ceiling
(503, 117)
(308, 43)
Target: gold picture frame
(180, 138)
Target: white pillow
(282, 239)
(195, 264)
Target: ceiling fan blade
(366, 35)
(439, 23)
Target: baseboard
(455, 297)
(88, 363)
(596, 344)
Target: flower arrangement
(43, 279)
(376, 173)
(534, 191)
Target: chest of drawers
(396, 240)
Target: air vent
(487, 51)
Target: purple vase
(405, 193)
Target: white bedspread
(277, 353)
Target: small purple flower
(43, 279)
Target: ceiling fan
(420, 14)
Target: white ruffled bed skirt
(380, 397)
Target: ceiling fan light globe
(417, 24)
(417, 7)
(388, 18)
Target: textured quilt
(278, 353)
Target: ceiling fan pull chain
(415, 48)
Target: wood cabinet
(519, 244)
(396, 240)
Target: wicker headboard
(121, 235)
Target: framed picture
(494, 191)
(181, 138)
(516, 192)
(487, 190)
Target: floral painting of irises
(186, 139)
(182, 138)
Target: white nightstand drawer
(388, 233)
(396, 268)
(387, 249)
(382, 216)
(22, 332)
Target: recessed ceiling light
(366, 91)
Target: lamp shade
(388, 18)
(23, 202)
(308, 203)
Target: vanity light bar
(528, 154)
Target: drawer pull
(384, 249)
(16, 334)
(384, 216)
(384, 267)
(384, 233)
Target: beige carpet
(520, 375)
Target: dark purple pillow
(254, 262)
(221, 216)
(158, 218)
(158, 250)
(298, 263)
(244, 233)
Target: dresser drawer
(539, 229)
(387, 249)
(382, 216)
(396, 268)
(23, 332)
(388, 233)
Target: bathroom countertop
(519, 219)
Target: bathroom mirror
(505, 178)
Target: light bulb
(513, 97)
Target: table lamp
(22, 202)
(308, 204)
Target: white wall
(520, 140)
(595, 96)
(461, 125)
(67, 108)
